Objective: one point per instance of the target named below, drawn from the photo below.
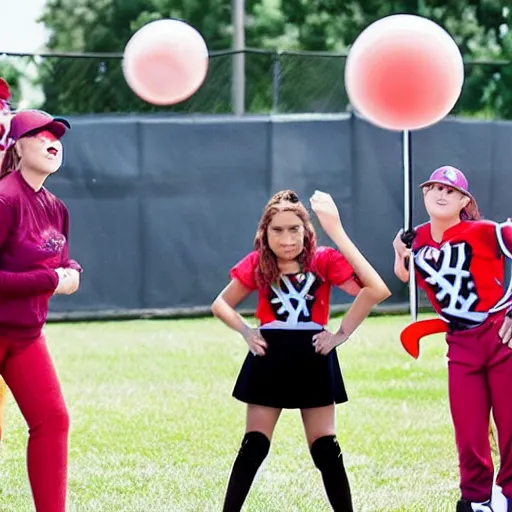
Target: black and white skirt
(291, 375)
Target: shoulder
(9, 187)
(323, 255)
(56, 204)
(482, 225)
(245, 270)
(483, 229)
(7, 201)
(422, 229)
(422, 235)
(323, 251)
(331, 266)
(250, 259)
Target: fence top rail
(221, 53)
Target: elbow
(214, 308)
(381, 293)
(402, 274)
(376, 294)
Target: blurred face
(41, 152)
(285, 235)
(444, 202)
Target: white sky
(21, 33)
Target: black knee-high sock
(254, 449)
(327, 457)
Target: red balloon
(404, 72)
(165, 62)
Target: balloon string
(408, 210)
(407, 164)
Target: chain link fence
(273, 82)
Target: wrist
(245, 330)
(342, 334)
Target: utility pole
(238, 79)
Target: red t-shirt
(463, 276)
(299, 300)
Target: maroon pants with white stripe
(28, 370)
(480, 381)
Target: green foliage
(302, 83)
(12, 76)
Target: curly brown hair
(268, 269)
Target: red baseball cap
(26, 121)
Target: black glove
(408, 237)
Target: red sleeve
(66, 262)
(332, 266)
(28, 284)
(504, 236)
(22, 284)
(245, 271)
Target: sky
(22, 33)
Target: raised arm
(373, 289)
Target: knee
(56, 420)
(254, 448)
(326, 453)
(60, 419)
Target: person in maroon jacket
(34, 266)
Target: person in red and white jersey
(460, 264)
(292, 361)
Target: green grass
(155, 429)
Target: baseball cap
(26, 121)
(451, 177)
(454, 178)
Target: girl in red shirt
(459, 262)
(35, 265)
(292, 361)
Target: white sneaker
(482, 507)
(499, 502)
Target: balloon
(165, 62)
(404, 72)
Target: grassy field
(154, 426)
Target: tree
(96, 84)
(13, 77)
(306, 83)
(475, 25)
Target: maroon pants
(480, 380)
(28, 370)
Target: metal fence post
(276, 74)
